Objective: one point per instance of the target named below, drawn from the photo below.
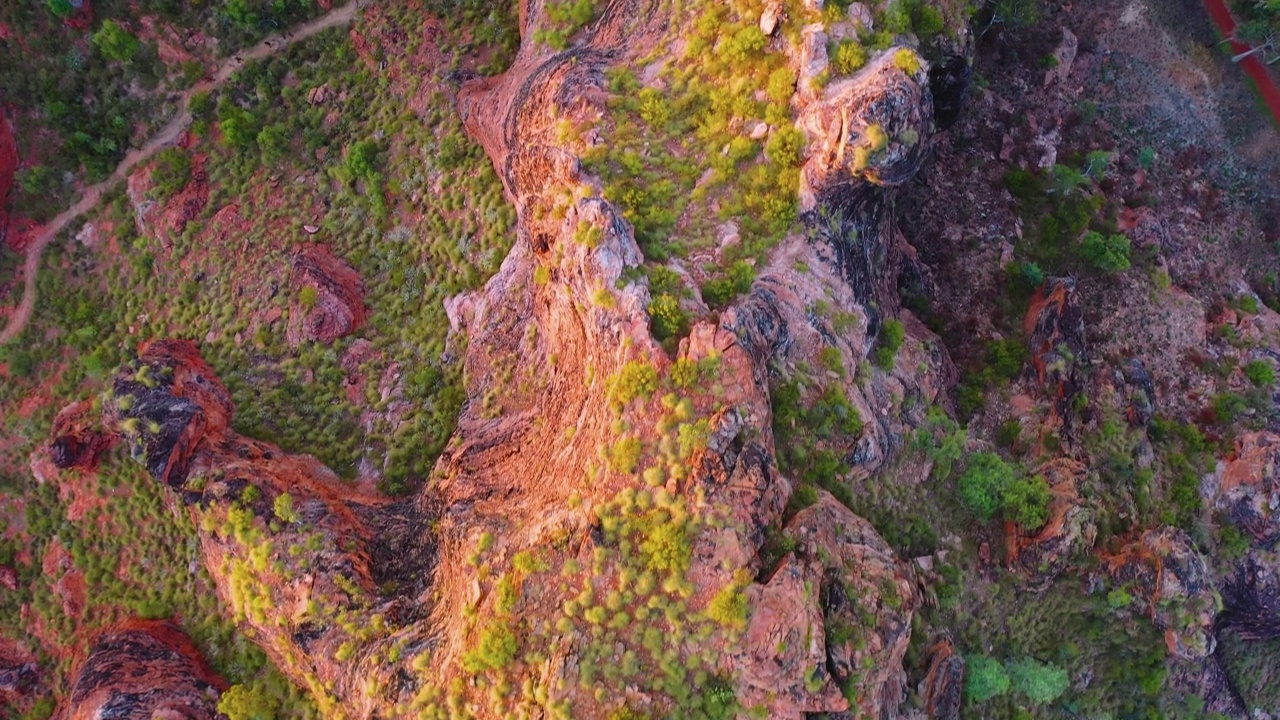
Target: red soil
(1252, 65)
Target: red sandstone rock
(337, 307)
(145, 669)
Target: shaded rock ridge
(145, 669)
(942, 687)
(1054, 328)
(583, 445)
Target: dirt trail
(166, 136)
(1252, 65)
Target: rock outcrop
(78, 438)
(328, 296)
(145, 669)
(1165, 570)
(1054, 327)
(943, 686)
(600, 451)
(1247, 486)
(1043, 553)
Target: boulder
(868, 597)
(813, 57)
(943, 685)
(771, 17)
(1247, 486)
(869, 129)
(333, 303)
(78, 437)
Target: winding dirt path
(1252, 65)
(166, 136)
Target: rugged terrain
(853, 361)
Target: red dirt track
(8, 168)
(1252, 65)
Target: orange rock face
(942, 687)
(145, 669)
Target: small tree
(1109, 253)
(984, 483)
(1040, 682)
(115, 43)
(984, 678)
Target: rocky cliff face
(590, 542)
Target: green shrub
(847, 57)
(308, 296)
(1040, 682)
(781, 85)
(567, 17)
(244, 702)
(1026, 502)
(494, 650)
(745, 44)
(201, 105)
(907, 61)
(984, 678)
(362, 160)
(1109, 253)
(170, 173)
(684, 373)
(786, 146)
(1260, 373)
(635, 379)
(890, 341)
(719, 292)
(983, 484)
(729, 606)
(116, 43)
(624, 455)
(284, 509)
(668, 318)
(1227, 407)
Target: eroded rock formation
(145, 669)
(390, 609)
(328, 296)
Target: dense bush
(890, 341)
(984, 678)
(115, 43)
(1260, 373)
(1105, 252)
(170, 173)
(982, 485)
(1040, 682)
(991, 486)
